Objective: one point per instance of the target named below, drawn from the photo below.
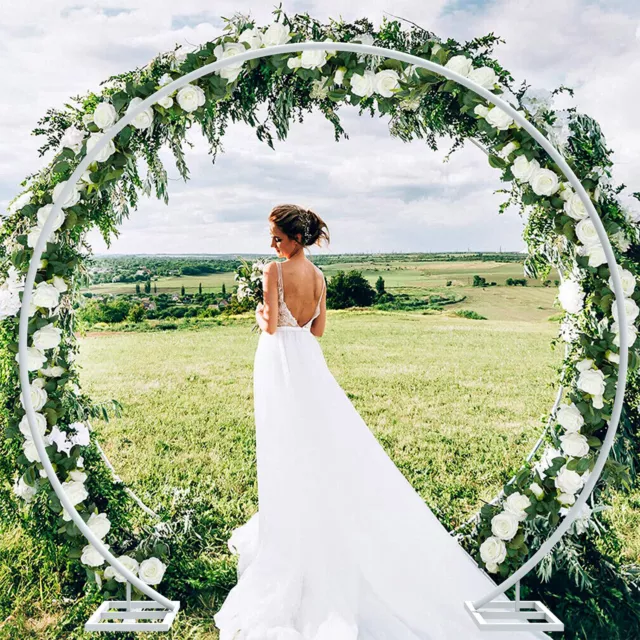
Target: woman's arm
(267, 313)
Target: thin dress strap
(279, 281)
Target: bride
(342, 547)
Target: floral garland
(419, 102)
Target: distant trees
(182, 292)
(380, 285)
(147, 286)
(137, 289)
(350, 289)
(514, 282)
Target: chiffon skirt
(342, 547)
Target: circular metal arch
(110, 133)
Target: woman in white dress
(342, 547)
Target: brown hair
(291, 219)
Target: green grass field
(456, 403)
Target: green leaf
(428, 77)
(119, 100)
(496, 162)
(125, 135)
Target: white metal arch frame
(293, 48)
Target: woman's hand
(259, 308)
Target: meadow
(456, 403)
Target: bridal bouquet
(249, 279)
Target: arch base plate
(131, 613)
(518, 615)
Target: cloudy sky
(376, 193)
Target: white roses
(544, 182)
(10, 294)
(72, 138)
(569, 417)
(591, 381)
(495, 116)
(493, 551)
(48, 337)
(383, 83)
(190, 97)
(105, 115)
(144, 119)
(276, 33)
(571, 295)
(106, 152)
(227, 50)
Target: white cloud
(375, 192)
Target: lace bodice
(285, 317)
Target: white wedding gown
(342, 547)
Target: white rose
(91, 556)
(59, 284)
(628, 281)
(566, 499)
(585, 364)
(516, 503)
(537, 490)
(72, 139)
(47, 338)
(460, 64)
(129, 563)
(41, 426)
(35, 358)
(30, 451)
(566, 191)
(595, 252)
(190, 97)
(99, 524)
(46, 295)
(484, 76)
(575, 445)
(523, 169)
(75, 491)
(612, 357)
(78, 476)
(144, 119)
(592, 382)
(72, 199)
(43, 214)
(568, 481)
(106, 152)
(338, 77)
(363, 85)
(493, 551)
(228, 50)
(34, 235)
(294, 62)
(550, 453)
(630, 310)
(313, 59)
(9, 304)
(365, 38)
(508, 149)
(151, 570)
(23, 490)
(87, 119)
(252, 37)
(385, 81)
(544, 182)
(571, 295)
(166, 102)
(275, 34)
(504, 525)
(481, 110)
(53, 372)
(104, 115)
(586, 232)
(569, 417)
(82, 436)
(573, 206)
(498, 118)
(37, 393)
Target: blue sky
(375, 192)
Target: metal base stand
(516, 615)
(131, 613)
